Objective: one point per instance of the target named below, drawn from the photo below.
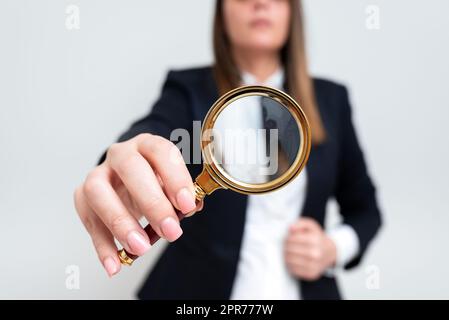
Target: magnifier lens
(255, 139)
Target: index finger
(165, 158)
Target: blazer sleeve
(355, 192)
(171, 111)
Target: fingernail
(137, 243)
(185, 200)
(189, 214)
(110, 266)
(197, 209)
(171, 229)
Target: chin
(263, 42)
(263, 46)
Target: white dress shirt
(261, 270)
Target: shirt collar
(275, 80)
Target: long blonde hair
(293, 56)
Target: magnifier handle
(128, 258)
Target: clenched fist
(308, 250)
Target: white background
(65, 95)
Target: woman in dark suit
(221, 254)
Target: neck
(260, 64)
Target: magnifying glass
(255, 139)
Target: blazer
(202, 263)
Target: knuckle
(93, 185)
(117, 224)
(315, 239)
(151, 202)
(175, 155)
(148, 140)
(156, 143)
(160, 140)
(127, 164)
(114, 150)
(144, 137)
(172, 147)
(316, 254)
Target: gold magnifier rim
(219, 174)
